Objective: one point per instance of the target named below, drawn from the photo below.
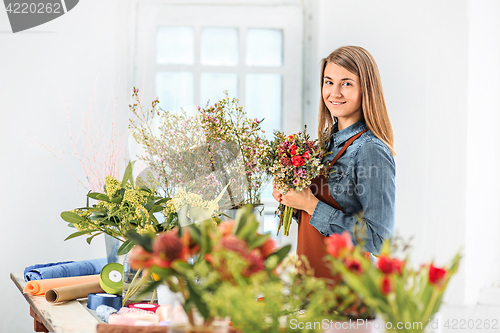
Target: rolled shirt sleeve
(375, 189)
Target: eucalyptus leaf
(142, 240)
(116, 200)
(98, 196)
(195, 295)
(127, 176)
(258, 241)
(80, 233)
(72, 217)
(282, 253)
(89, 239)
(125, 247)
(149, 205)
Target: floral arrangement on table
(399, 293)
(125, 206)
(240, 274)
(233, 255)
(220, 146)
(293, 161)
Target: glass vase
(134, 283)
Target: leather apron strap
(310, 242)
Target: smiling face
(342, 95)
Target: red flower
(235, 244)
(385, 264)
(286, 161)
(354, 266)
(226, 228)
(306, 155)
(297, 161)
(255, 261)
(267, 248)
(168, 246)
(389, 266)
(140, 258)
(386, 285)
(436, 274)
(337, 245)
(398, 266)
(293, 150)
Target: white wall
(483, 151)
(78, 52)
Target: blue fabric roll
(64, 269)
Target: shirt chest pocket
(339, 183)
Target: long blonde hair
(360, 62)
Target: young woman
(360, 178)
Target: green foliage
(121, 208)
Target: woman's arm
(374, 176)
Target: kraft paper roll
(69, 293)
(40, 287)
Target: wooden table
(72, 316)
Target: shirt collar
(338, 138)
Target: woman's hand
(303, 200)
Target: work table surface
(68, 317)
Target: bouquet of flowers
(399, 293)
(293, 161)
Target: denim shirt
(361, 181)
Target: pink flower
(337, 245)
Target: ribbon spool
(144, 306)
(94, 300)
(111, 278)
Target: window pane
(174, 89)
(219, 46)
(264, 47)
(263, 100)
(175, 45)
(212, 86)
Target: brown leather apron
(310, 242)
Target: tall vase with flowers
(219, 146)
(406, 298)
